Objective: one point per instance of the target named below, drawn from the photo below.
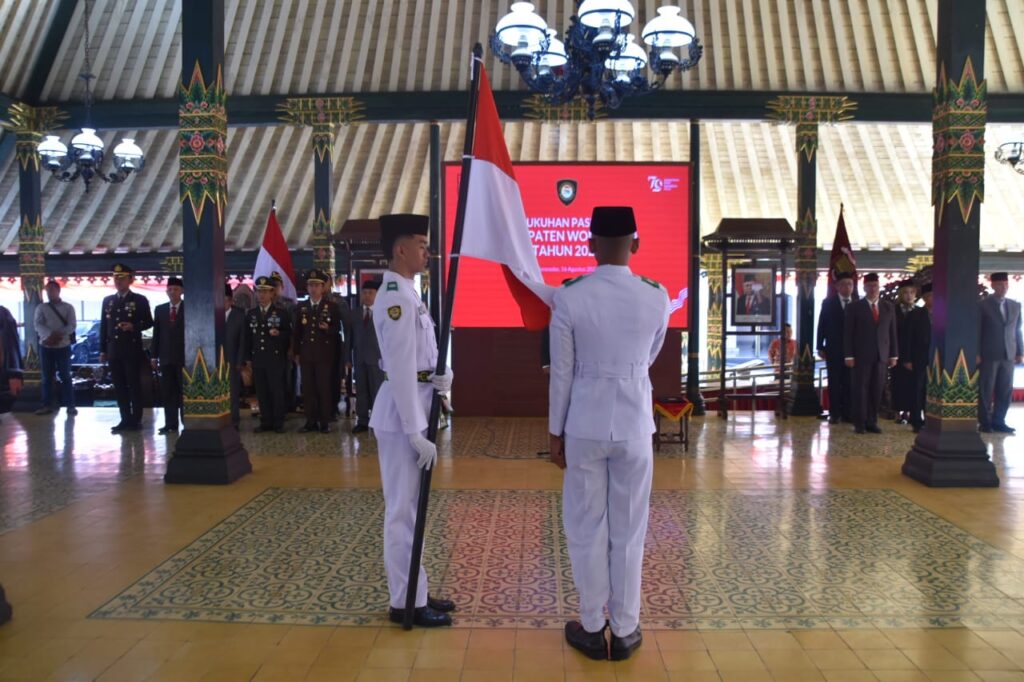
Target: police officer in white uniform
(408, 350)
(606, 330)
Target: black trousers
(270, 382)
(127, 375)
(236, 392)
(920, 396)
(317, 378)
(368, 381)
(903, 388)
(839, 390)
(868, 382)
(170, 391)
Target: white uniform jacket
(606, 330)
(408, 352)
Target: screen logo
(566, 191)
(660, 184)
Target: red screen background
(658, 193)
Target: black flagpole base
(950, 459)
(208, 457)
(805, 402)
(696, 399)
(5, 609)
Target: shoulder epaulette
(572, 281)
(653, 283)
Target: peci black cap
(373, 284)
(871, 277)
(999, 277)
(844, 275)
(397, 225)
(612, 221)
(906, 283)
(175, 281)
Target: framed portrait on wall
(753, 296)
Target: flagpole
(444, 333)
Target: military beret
(1000, 277)
(397, 225)
(871, 277)
(318, 276)
(122, 270)
(373, 284)
(612, 221)
(175, 281)
(926, 288)
(264, 282)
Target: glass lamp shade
(628, 59)
(598, 13)
(521, 29)
(53, 151)
(668, 29)
(88, 147)
(128, 155)
(554, 56)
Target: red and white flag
(274, 256)
(496, 227)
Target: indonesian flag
(274, 256)
(842, 258)
(495, 227)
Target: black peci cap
(612, 221)
(175, 281)
(397, 225)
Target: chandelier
(1012, 154)
(84, 158)
(600, 59)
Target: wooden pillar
(949, 451)
(29, 124)
(209, 449)
(807, 112)
(693, 346)
(322, 114)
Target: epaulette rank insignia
(573, 281)
(392, 286)
(654, 284)
(395, 311)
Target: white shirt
(47, 322)
(606, 330)
(408, 345)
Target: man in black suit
(914, 349)
(902, 379)
(831, 347)
(234, 333)
(751, 301)
(1000, 347)
(869, 331)
(168, 352)
(125, 315)
(268, 335)
(366, 357)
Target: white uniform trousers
(400, 478)
(605, 504)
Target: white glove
(427, 451)
(443, 382)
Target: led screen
(558, 199)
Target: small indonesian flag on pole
(495, 227)
(274, 256)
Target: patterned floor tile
(313, 556)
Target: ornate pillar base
(947, 458)
(697, 400)
(5, 609)
(805, 402)
(208, 456)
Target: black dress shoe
(623, 647)
(309, 428)
(1003, 428)
(360, 428)
(873, 429)
(117, 427)
(590, 644)
(424, 616)
(442, 605)
(167, 429)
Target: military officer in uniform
(408, 349)
(267, 342)
(606, 330)
(126, 315)
(315, 340)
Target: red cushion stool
(677, 409)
